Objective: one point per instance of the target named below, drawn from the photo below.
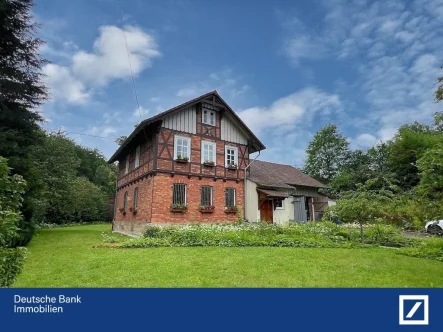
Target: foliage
(11, 264)
(439, 90)
(206, 207)
(179, 206)
(326, 153)
(120, 140)
(106, 238)
(362, 206)
(12, 189)
(431, 248)
(324, 235)
(78, 181)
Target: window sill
(178, 210)
(207, 211)
(209, 164)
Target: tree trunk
(361, 233)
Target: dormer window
(209, 117)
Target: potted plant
(206, 208)
(233, 166)
(231, 209)
(209, 163)
(181, 159)
(179, 208)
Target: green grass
(65, 257)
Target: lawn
(65, 257)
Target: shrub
(11, 263)
(245, 235)
(431, 248)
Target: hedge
(11, 264)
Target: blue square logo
(414, 310)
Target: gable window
(137, 157)
(125, 201)
(279, 204)
(231, 155)
(208, 152)
(179, 194)
(182, 147)
(135, 203)
(206, 196)
(230, 197)
(127, 165)
(209, 117)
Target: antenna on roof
(131, 72)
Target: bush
(387, 235)
(431, 248)
(11, 263)
(312, 235)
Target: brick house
(184, 165)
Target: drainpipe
(115, 198)
(246, 180)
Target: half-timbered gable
(199, 146)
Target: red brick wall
(163, 199)
(144, 201)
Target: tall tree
(326, 153)
(439, 90)
(21, 90)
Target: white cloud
(363, 141)
(104, 131)
(110, 60)
(225, 82)
(394, 49)
(63, 86)
(75, 83)
(140, 112)
(289, 110)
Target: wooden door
(267, 211)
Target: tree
(326, 153)
(439, 90)
(361, 206)
(11, 198)
(120, 140)
(21, 92)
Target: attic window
(209, 117)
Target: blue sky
(287, 67)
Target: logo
(414, 309)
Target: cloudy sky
(287, 67)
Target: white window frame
(127, 165)
(185, 138)
(282, 204)
(186, 192)
(137, 157)
(214, 151)
(235, 196)
(235, 155)
(211, 200)
(210, 118)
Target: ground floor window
(230, 197)
(135, 203)
(278, 204)
(125, 201)
(179, 194)
(206, 196)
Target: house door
(267, 211)
(301, 215)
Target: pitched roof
(256, 145)
(280, 176)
